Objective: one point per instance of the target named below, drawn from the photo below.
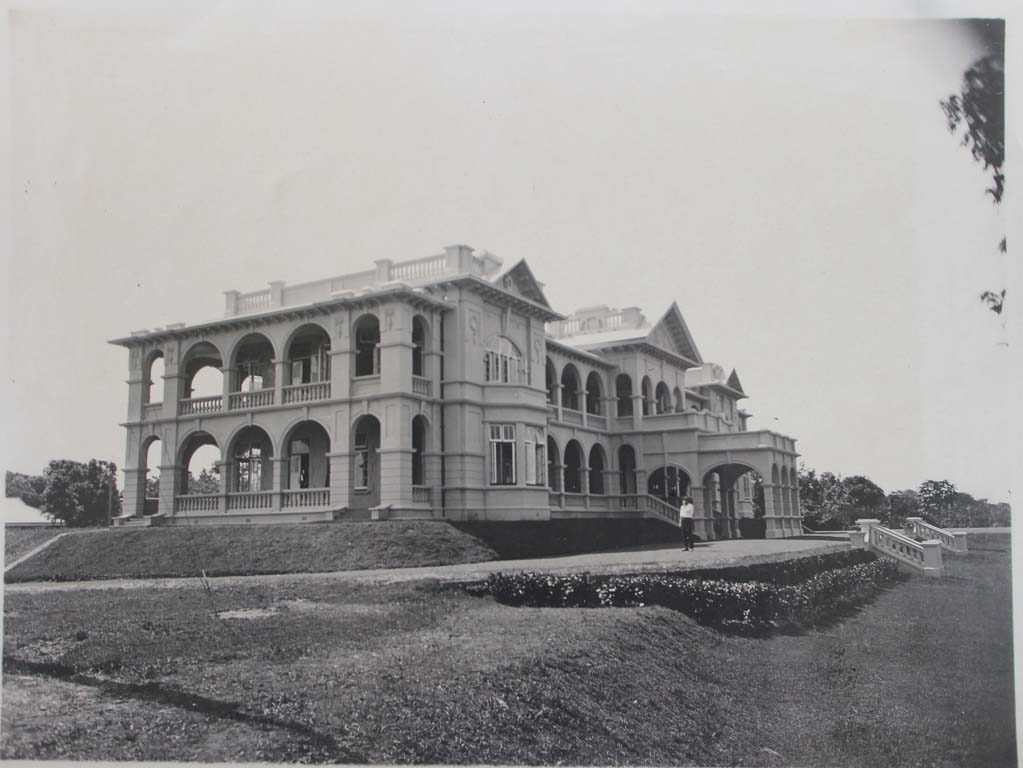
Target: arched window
(366, 443)
(553, 455)
(663, 398)
(597, 470)
(593, 393)
(552, 382)
(502, 363)
(627, 467)
(646, 390)
(251, 454)
(154, 392)
(418, 446)
(570, 388)
(308, 356)
(418, 345)
(623, 391)
(573, 467)
(367, 346)
(680, 402)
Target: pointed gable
(734, 383)
(519, 280)
(671, 333)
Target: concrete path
(712, 554)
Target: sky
(789, 181)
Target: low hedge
(737, 605)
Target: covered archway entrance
(733, 499)
(669, 483)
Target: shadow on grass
(324, 744)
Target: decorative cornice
(500, 296)
(262, 319)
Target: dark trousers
(687, 533)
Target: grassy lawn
(20, 541)
(229, 550)
(408, 673)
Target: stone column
(703, 525)
(773, 521)
(932, 557)
(226, 483)
(170, 487)
(134, 497)
(279, 467)
(559, 401)
(279, 367)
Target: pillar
(279, 466)
(134, 496)
(171, 486)
(703, 525)
(773, 520)
(279, 367)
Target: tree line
(81, 494)
(831, 502)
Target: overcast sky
(790, 182)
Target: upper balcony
(456, 260)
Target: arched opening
(623, 393)
(680, 402)
(199, 459)
(669, 483)
(307, 450)
(553, 464)
(627, 469)
(570, 386)
(573, 467)
(419, 336)
(366, 333)
(154, 375)
(502, 362)
(251, 461)
(252, 367)
(552, 382)
(203, 370)
(597, 464)
(307, 357)
(419, 428)
(646, 390)
(663, 398)
(731, 496)
(366, 462)
(152, 455)
(594, 393)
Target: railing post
(865, 524)
(960, 541)
(913, 524)
(932, 557)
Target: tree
(824, 499)
(81, 494)
(207, 482)
(864, 495)
(902, 504)
(936, 498)
(978, 110)
(153, 487)
(28, 488)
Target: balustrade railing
(925, 556)
(259, 398)
(421, 386)
(953, 542)
(198, 406)
(249, 500)
(197, 502)
(305, 393)
(253, 302)
(420, 268)
(554, 499)
(305, 497)
(421, 494)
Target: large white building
(446, 387)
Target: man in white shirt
(686, 513)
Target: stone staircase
(918, 547)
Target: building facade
(446, 388)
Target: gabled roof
(734, 383)
(519, 278)
(673, 325)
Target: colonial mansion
(443, 388)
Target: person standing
(686, 514)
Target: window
(502, 363)
(418, 343)
(536, 457)
(367, 346)
(361, 460)
(502, 454)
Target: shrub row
(740, 605)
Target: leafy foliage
(80, 494)
(207, 482)
(734, 605)
(979, 111)
(936, 500)
(28, 488)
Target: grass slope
(396, 673)
(250, 549)
(514, 540)
(21, 541)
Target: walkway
(714, 554)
